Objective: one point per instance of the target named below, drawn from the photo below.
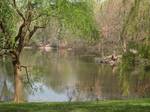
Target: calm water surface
(65, 76)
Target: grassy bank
(101, 106)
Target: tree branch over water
(27, 74)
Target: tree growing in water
(21, 19)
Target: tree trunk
(18, 97)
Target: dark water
(63, 76)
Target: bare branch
(2, 27)
(17, 10)
(20, 31)
(26, 69)
(24, 27)
(39, 16)
(34, 19)
(34, 30)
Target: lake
(60, 75)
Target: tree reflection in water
(73, 77)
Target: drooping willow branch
(27, 74)
(130, 17)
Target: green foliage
(144, 51)
(137, 22)
(128, 61)
(78, 17)
(130, 58)
(136, 33)
(7, 19)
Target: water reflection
(64, 76)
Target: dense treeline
(124, 21)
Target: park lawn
(140, 105)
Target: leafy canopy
(75, 15)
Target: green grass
(141, 105)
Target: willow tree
(21, 19)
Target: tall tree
(21, 19)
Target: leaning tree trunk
(18, 96)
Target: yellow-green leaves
(77, 17)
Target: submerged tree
(21, 19)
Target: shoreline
(136, 105)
